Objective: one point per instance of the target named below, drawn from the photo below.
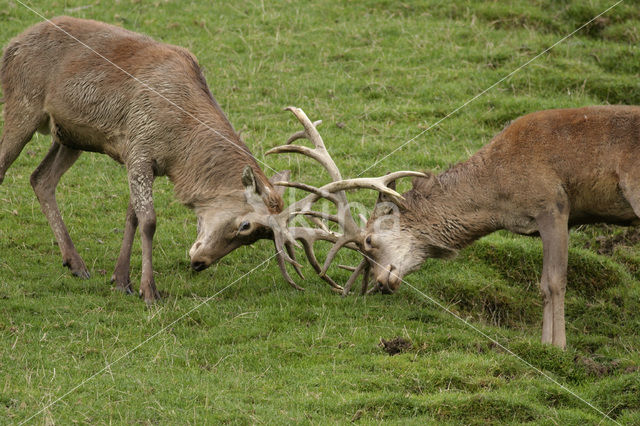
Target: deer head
(236, 218)
(395, 241)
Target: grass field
(378, 73)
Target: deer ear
(425, 185)
(249, 180)
(384, 198)
(281, 176)
(385, 204)
(257, 193)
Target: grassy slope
(260, 352)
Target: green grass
(260, 352)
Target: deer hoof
(150, 296)
(78, 269)
(124, 289)
(82, 274)
(122, 283)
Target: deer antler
(351, 230)
(352, 234)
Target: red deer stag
(542, 174)
(100, 88)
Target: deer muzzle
(389, 279)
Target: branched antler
(352, 234)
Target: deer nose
(194, 249)
(389, 280)
(394, 278)
(198, 266)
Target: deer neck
(458, 210)
(210, 163)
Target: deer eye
(244, 226)
(367, 242)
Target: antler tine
(347, 268)
(301, 134)
(378, 183)
(316, 220)
(319, 192)
(365, 278)
(372, 290)
(356, 272)
(308, 236)
(285, 274)
(284, 242)
(342, 241)
(308, 250)
(318, 153)
(320, 215)
(309, 128)
(292, 255)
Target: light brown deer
(100, 88)
(542, 174)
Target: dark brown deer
(542, 174)
(100, 88)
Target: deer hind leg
(554, 230)
(44, 181)
(121, 273)
(21, 122)
(630, 184)
(141, 186)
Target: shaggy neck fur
(451, 211)
(212, 162)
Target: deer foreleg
(554, 230)
(121, 273)
(44, 181)
(141, 187)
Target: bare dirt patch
(596, 368)
(593, 367)
(396, 345)
(606, 244)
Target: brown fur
(543, 173)
(55, 84)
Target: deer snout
(198, 266)
(389, 279)
(199, 262)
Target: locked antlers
(285, 237)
